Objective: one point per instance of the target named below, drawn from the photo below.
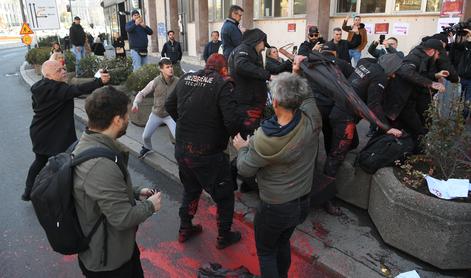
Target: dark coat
(211, 48)
(77, 35)
(203, 106)
(460, 56)
(52, 129)
(98, 49)
(231, 36)
(380, 52)
(173, 51)
(137, 35)
(342, 48)
(275, 67)
(306, 47)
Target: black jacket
(52, 129)
(413, 77)
(203, 106)
(306, 47)
(369, 81)
(211, 48)
(380, 52)
(444, 63)
(246, 68)
(275, 67)
(342, 49)
(173, 51)
(460, 56)
(98, 49)
(77, 35)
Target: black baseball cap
(76, 18)
(313, 30)
(135, 12)
(433, 44)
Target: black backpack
(54, 204)
(383, 151)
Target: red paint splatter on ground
(69, 259)
(319, 230)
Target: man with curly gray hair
(281, 154)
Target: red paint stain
(319, 230)
(69, 259)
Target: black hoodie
(246, 68)
(77, 35)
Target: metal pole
(23, 15)
(71, 16)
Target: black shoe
(26, 196)
(185, 234)
(144, 151)
(228, 239)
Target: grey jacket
(284, 165)
(100, 187)
(161, 89)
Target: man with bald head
(52, 129)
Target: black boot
(26, 195)
(227, 239)
(185, 233)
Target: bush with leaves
(47, 41)
(89, 65)
(119, 69)
(69, 61)
(37, 56)
(140, 78)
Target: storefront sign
(382, 28)
(445, 22)
(291, 27)
(452, 8)
(400, 29)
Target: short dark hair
(217, 32)
(103, 105)
(336, 29)
(357, 16)
(171, 31)
(392, 38)
(164, 61)
(234, 8)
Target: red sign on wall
(382, 28)
(291, 27)
(452, 7)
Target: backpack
(383, 151)
(54, 204)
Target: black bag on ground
(53, 200)
(215, 270)
(383, 151)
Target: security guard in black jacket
(246, 68)
(203, 106)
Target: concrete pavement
(346, 246)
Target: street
(24, 250)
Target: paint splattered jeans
(274, 225)
(213, 174)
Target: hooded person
(246, 68)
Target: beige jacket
(100, 187)
(161, 90)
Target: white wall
(277, 31)
(191, 36)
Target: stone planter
(353, 184)
(433, 230)
(145, 108)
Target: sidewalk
(346, 246)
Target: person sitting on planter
(161, 86)
(118, 44)
(56, 48)
(274, 63)
(98, 48)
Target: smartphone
(382, 38)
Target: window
(191, 11)
(218, 10)
(433, 5)
(210, 10)
(266, 8)
(227, 5)
(299, 7)
(346, 6)
(281, 8)
(372, 6)
(408, 5)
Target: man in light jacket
(281, 153)
(100, 188)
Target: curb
(330, 260)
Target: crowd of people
(223, 105)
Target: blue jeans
(274, 225)
(137, 60)
(356, 55)
(79, 54)
(466, 87)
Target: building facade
(286, 21)
(10, 15)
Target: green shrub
(69, 61)
(118, 68)
(89, 65)
(140, 78)
(177, 70)
(47, 41)
(37, 56)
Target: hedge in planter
(69, 61)
(37, 56)
(118, 68)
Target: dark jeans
(213, 174)
(34, 169)
(274, 225)
(130, 269)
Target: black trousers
(213, 174)
(130, 269)
(38, 164)
(326, 127)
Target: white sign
(369, 28)
(410, 274)
(400, 29)
(445, 22)
(452, 188)
(42, 14)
